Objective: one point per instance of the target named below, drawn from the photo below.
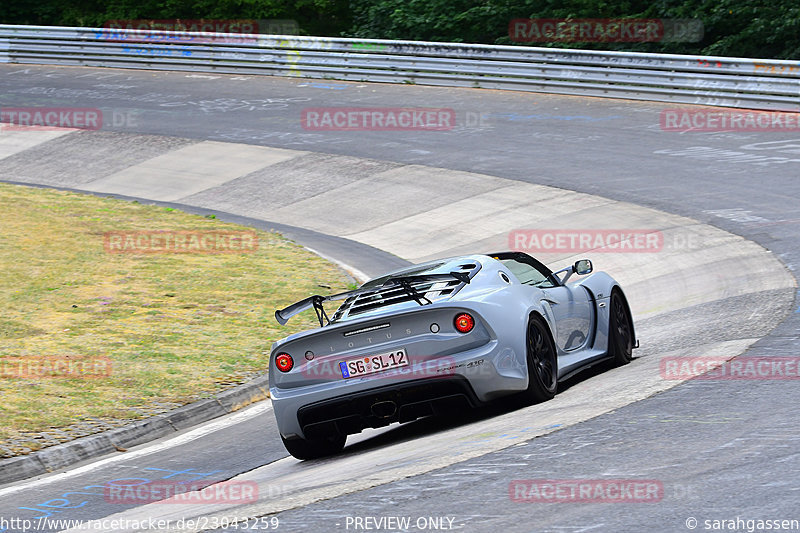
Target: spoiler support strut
(320, 310)
(411, 291)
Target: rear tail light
(464, 322)
(284, 362)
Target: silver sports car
(439, 336)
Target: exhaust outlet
(385, 409)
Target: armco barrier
(720, 81)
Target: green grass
(176, 327)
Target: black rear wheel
(314, 449)
(620, 330)
(542, 362)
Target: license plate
(370, 364)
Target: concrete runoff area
(698, 272)
(188, 170)
(20, 139)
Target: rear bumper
(346, 406)
(382, 406)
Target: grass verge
(175, 327)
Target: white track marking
(217, 425)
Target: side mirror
(582, 267)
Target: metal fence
(719, 81)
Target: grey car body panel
(491, 357)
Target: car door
(571, 306)
(572, 309)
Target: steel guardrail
(717, 81)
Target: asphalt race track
(718, 449)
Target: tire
(620, 330)
(304, 449)
(542, 362)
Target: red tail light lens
(464, 323)
(284, 362)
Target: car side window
(527, 274)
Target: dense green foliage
(752, 28)
(315, 17)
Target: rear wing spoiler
(317, 301)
